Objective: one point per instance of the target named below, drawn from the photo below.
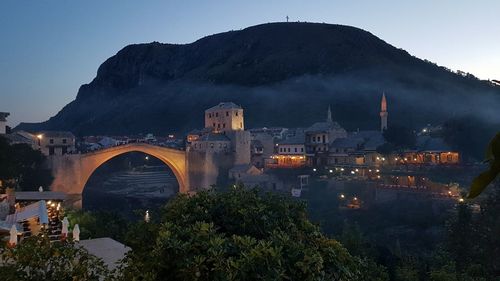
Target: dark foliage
(400, 137)
(22, 167)
(237, 235)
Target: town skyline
(67, 56)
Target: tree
(400, 137)
(37, 258)
(23, 167)
(99, 224)
(238, 235)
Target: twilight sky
(49, 48)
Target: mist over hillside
(283, 74)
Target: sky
(48, 49)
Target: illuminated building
(290, 154)
(56, 142)
(226, 116)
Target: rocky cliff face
(283, 74)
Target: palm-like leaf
(485, 178)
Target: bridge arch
(174, 159)
(71, 172)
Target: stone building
(226, 116)
(3, 122)
(56, 142)
(263, 144)
(318, 138)
(291, 153)
(212, 142)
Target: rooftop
(324, 126)
(36, 195)
(19, 138)
(297, 139)
(242, 168)
(3, 116)
(349, 142)
(223, 105)
(214, 137)
(109, 250)
(57, 134)
(428, 143)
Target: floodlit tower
(383, 113)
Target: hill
(283, 74)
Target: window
(216, 114)
(64, 150)
(324, 138)
(314, 139)
(213, 125)
(301, 149)
(51, 151)
(236, 113)
(289, 149)
(51, 141)
(211, 145)
(224, 125)
(295, 149)
(227, 113)
(65, 141)
(210, 115)
(218, 125)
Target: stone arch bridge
(192, 170)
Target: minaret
(383, 113)
(329, 116)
